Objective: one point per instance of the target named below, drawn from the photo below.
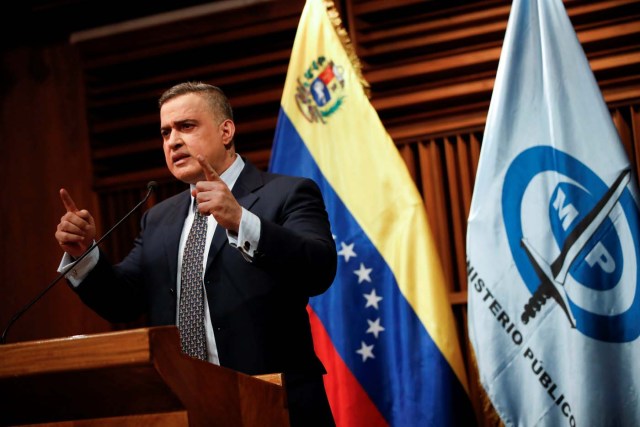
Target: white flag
(552, 243)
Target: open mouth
(179, 158)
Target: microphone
(151, 186)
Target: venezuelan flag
(384, 330)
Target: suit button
(246, 246)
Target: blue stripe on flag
(405, 385)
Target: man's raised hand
(77, 229)
(215, 198)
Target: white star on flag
(366, 351)
(375, 327)
(347, 251)
(372, 299)
(363, 273)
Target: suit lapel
(248, 182)
(174, 223)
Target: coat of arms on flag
(320, 90)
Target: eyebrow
(178, 123)
(181, 122)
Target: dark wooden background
(79, 82)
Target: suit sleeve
(116, 293)
(298, 245)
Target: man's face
(188, 128)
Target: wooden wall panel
(434, 194)
(45, 142)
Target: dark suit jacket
(258, 309)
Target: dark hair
(214, 96)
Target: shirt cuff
(76, 273)
(246, 241)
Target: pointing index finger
(209, 172)
(67, 201)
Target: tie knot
(195, 209)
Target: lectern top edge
(70, 353)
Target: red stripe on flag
(349, 402)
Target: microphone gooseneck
(151, 186)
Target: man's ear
(228, 130)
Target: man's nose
(175, 140)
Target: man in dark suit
(268, 249)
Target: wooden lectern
(130, 378)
